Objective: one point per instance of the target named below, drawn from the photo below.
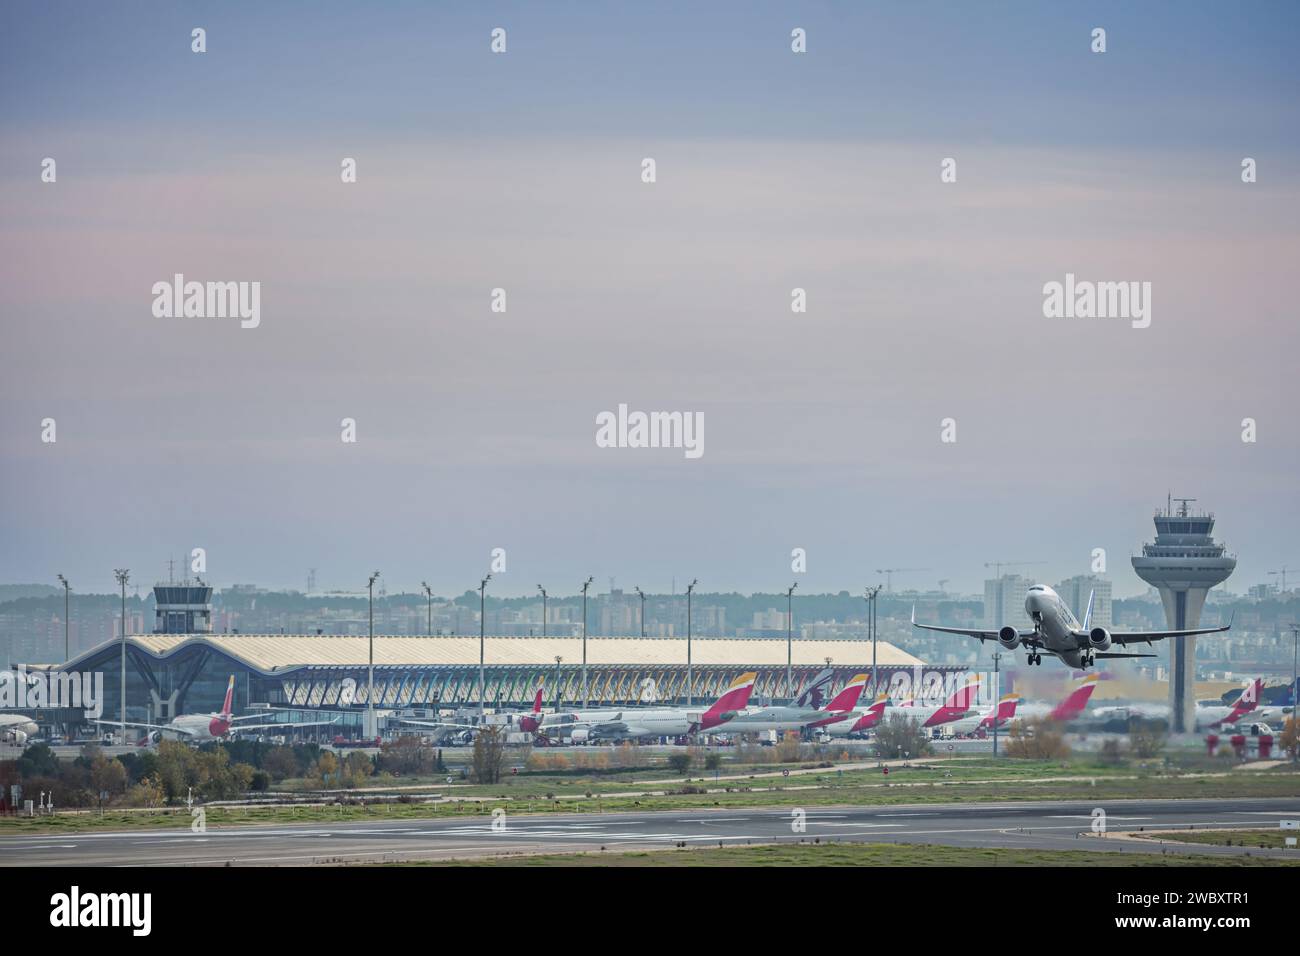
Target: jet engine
(580, 735)
(1009, 638)
(18, 737)
(1099, 639)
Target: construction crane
(997, 566)
(1282, 572)
(943, 585)
(890, 572)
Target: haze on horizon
(522, 171)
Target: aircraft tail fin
(847, 699)
(735, 697)
(537, 701)
(964, 696)
(230, 697)
(813, 695)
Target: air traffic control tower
(1183, 563)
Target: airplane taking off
(1057, 631)
(201, 728)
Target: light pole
(585, 584)
(1295, 693)
(370, 669)
(642, 595)
(66, 589)
(997, 697)
(543, 590)
(482, 623)
(123, 575)
(558, 658)
(428, 593)
(690, 676)
(789, 647)
(871, 629)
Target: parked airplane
(802, 711)
(671, 721)
(200, 728)
(529, 722)
(980, 724)
(576, 722)
(1057, 631)
(859, 721)
(1214, 714)
(1210, 714)
(1071, 707)
(841, 707)
(17, 729)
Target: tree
(1288, 739)
(1040, 739)
(713, 761)
(489, 755)
(280, 762)
(901, 735)
(679, 761)
(1145, 738)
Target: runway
(1037, 826)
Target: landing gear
(1087, 660)
(1035, 658)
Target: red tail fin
(964, 697)
(847, 699)
(537, 701)
(230, 697)
(1076, 700)
(736, 697)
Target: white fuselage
(1056, 624)
(762, 719)
(16, 728)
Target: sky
(523, 171)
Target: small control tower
(1183, 563)
(182, 608)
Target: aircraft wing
(1133, 637)
(1026, 637)
(119, 723)
(1123, 638)
(284, 725)
(438, 725)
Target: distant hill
(12, 592)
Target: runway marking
(1088, 816)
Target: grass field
(979, 781)
(1271, 839)
(867, 854)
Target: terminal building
(306, 674)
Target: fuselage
(16, 728)
(1056, 624)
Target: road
(1043, 825)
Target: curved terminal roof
(280, 652)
